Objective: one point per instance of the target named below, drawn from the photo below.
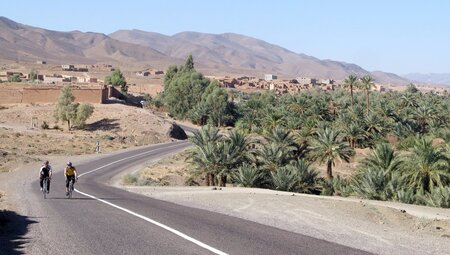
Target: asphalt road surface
(101, 219)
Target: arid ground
(380, 227)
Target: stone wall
(97, 95)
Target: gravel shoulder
(379, 227)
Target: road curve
(101, 219)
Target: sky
(396, 36)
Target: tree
(14, 78)
(117, 79)
(384, 158)
(73, 113)
(33, 75)
(248, 176)
(214, 104)
(351, 82)
(367, 84)
(411, 88)
(66, 109)
(84, 111)
(328, 147)
(428, 167)
(189, 65)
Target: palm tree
(328, 147)
(353, 133)
(282, 137)
(273, 119)
(351, 82)
(424, 115)
(203, 156)
(367, 84)
(378, 177)
(272, 156)
(235, 152)
(248, 176)
(383, 158)
(428, 167)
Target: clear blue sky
(397, 36)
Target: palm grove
(276, 140)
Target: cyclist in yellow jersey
(70, 173)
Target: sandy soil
(115, 126)
(380, 227)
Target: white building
(270, 77)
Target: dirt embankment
(114, 126)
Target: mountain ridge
(215, 54)
(429, 78)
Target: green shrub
(130, 179)
(248, 176)
(284, 179)
(438, 197)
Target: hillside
(430, 78)
(214, 54)
(247, 54)
(26, 43)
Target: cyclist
(45, 171)
(70, 173)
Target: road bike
(70, 188)
(45, 183)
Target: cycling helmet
(69, 163)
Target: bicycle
(45, 186)
(70, 188)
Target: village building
(270, 77)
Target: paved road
(101, 219)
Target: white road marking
(176, 232)
(117, 161)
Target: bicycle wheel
(44, 187)
(70, 188)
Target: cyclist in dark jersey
(45, 171)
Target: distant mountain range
(431, 78)
(217, 54)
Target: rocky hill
(214, 54)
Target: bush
(108, 137)
(370, 184)
(248, 176)
(284, 179)
(84, 111)
(44, 125)
(406, 143)
(130, 179)
(306, 176)
(438, 197)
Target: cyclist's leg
(48, 185)
(41, 181)
(67, 183)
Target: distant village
(271, 82)
(80, 74)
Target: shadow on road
(13, 228)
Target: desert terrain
(379, 227)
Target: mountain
(247, 54)
(27, 43)
(216, 54)
(431, 78)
